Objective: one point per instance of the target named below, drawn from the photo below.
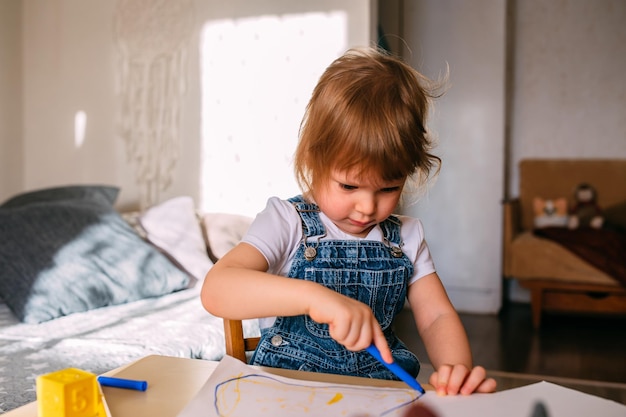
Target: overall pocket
(384, 291)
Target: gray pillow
(65, 250)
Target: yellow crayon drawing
(336, 398)
(267, 395)
(235, 389)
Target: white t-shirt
(276, 232)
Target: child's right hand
(351, 322)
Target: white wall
(462, 211)
(569, 100)
(259, 76)
(569, 93)
(10, 98)
(68, 67)
(569, 81)
(68, 63)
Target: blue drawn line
(300, 385)
(406, 404)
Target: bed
(84, 286)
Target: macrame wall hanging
(152, 39)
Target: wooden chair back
(236, 344)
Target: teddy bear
(585, 212)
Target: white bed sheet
(102, 339)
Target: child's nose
(366, 205)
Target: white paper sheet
(238, 390)
(520, 402)
(235, 389)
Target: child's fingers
(345, 333)
(475, 377)
(477, 381)
(457, 379)
(452, 380)
(358, 337)
(440, 378)
(353, 332)
(446, 379)
(489, 385)
(381, 343)
(432, 380)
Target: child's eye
(348, 187)
(390, 189)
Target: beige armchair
(558, 279)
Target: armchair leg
(557, 296)
(536, 304)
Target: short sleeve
(416, 247)
(276, 232)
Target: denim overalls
(375, 273)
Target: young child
(327, 271)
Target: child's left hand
(458, 379)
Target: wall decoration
(152, 38)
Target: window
(257, 77)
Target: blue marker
(123, 383)
(396, 369)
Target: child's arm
(446, 342)
(238, 287)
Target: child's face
(356, 203)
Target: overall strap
(391, 229)
(312, 225)
(391, 235)
(309, 213)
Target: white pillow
(224, 231)
(173, 227)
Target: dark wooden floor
(566, 347)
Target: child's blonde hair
(367, 113)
